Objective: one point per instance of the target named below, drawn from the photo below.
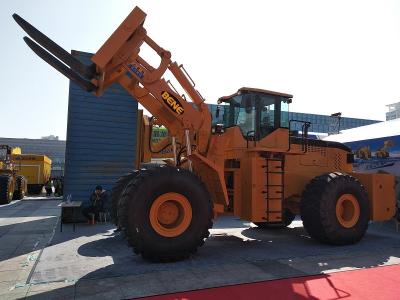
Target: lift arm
(118, 61)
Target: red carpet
(373, 283)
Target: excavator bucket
(58, 57)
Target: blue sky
(331, 55)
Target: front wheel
(117, 192)
(6, 189)
(335, 209)
(166, 213)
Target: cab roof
(255, 90)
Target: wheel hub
(170, 214)
(347, 210)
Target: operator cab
(5, 153)
(257, 112)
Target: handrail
(187, 74)
(304, 134)
(171, 85)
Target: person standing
(49, 188)
(57, 187)
(62, 185)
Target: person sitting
(97, 201)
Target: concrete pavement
(26, 227)
(94, 262)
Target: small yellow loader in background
(12, 185)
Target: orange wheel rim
(170, 214)
(347, 210)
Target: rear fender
(381, 189)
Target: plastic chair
(103, 215)
(92, 220)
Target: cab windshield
(3, 154)
(257, 114)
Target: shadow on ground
(26, 226)
(232, 255)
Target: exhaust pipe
(59, 66)
(83, 70)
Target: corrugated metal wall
(101, 138)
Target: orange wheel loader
(253, 163)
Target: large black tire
(288, 218)
(117, 192)
(318, 209)
(6, 192)
(119, 188)
(135, 208)
(20, 188)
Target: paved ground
(26, 227)
(94, 263)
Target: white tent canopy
(373, 131)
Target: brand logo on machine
(136, 70)
(172, 103)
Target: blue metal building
(319, 123)
(101, 138)
(322, 123)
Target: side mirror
(306, 127)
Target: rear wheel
(6, 189)
(166, 213)
(335, 209)
(288, 218)
(20, 188)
